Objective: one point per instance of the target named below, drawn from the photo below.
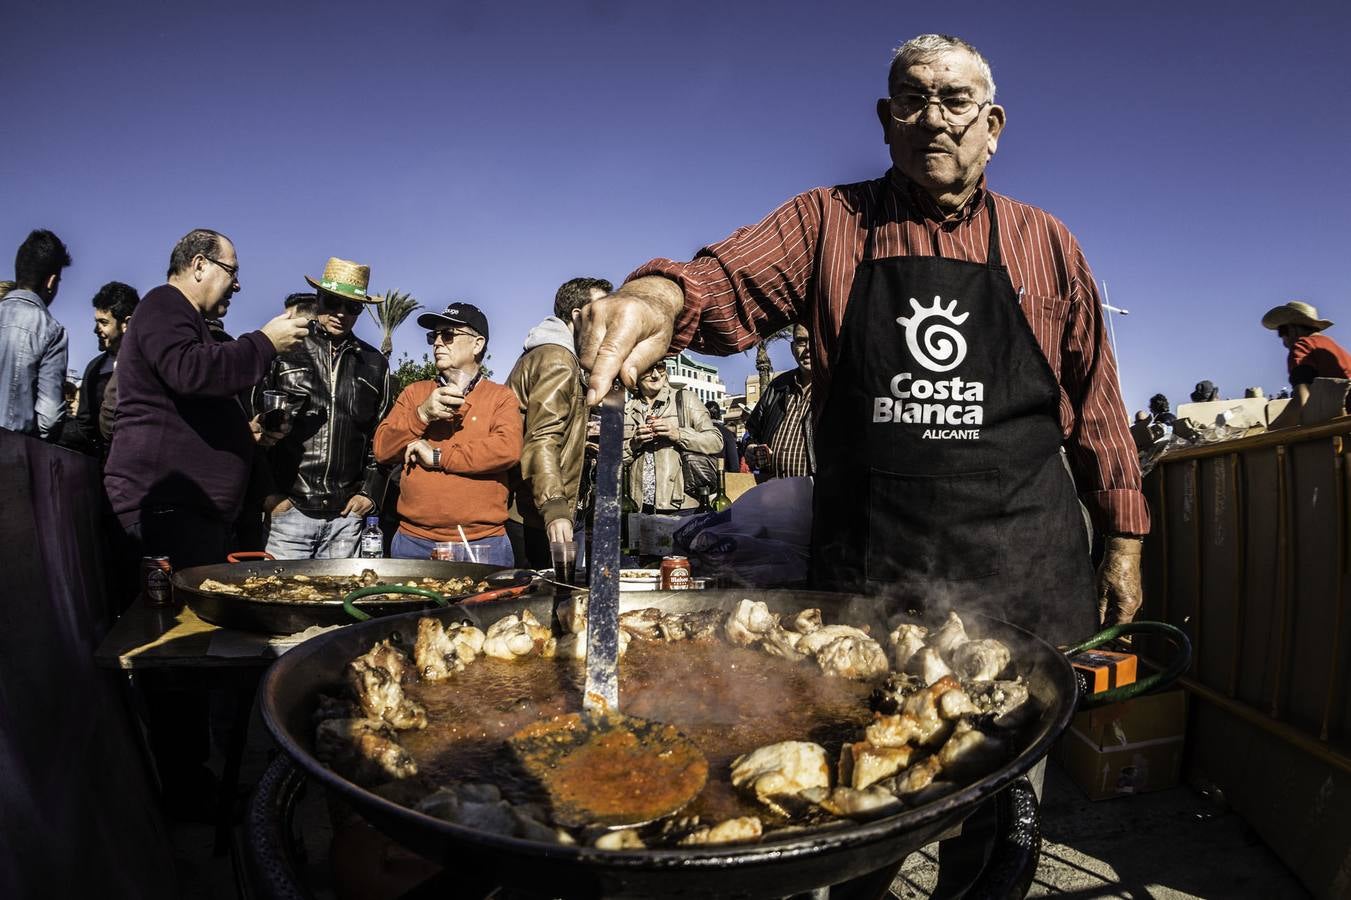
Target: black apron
(940, 479)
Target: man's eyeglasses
(335, 304)
(447, 335)
(232, 271)
(958, 110)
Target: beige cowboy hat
(346, 279)
(1295, 312)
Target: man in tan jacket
(547, 381)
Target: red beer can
(157, 581)
(675, 573)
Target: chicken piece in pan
(440, 651)
(749, 623)
(518, 635)
(572, 613)
(364, 750)
(812, 642)
(969, 751)
(949, 636)
(1005, 702)
(644, 624)
(904, 642)
(376, 677)
(701, 626)
(857, 658)
(863, 764)
(981, 660)
(889, 696)
(785, 768)
(807, 621)
(744, 828)
(914, 779)
(928, 664)
(898, 730)
(853, 803)
(782, 642)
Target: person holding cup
(332, 390)
(457, 437)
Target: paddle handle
(602, 605)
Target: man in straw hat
(335, 389)
(1312, 353)
(458, 437)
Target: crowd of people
(286, 439)
(1311, 354)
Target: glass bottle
(628, 526)
(722, 501)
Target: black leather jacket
(337, 393)
(764, 421)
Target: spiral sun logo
(934, 344)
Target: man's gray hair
(925, 47)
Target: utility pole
(1111, 329)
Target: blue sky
(489, 152)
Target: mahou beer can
(157, 581)
(675, 573)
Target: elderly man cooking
(958, 346)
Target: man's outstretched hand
(622, 335)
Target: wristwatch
(436, 457)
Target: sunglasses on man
(330, 304)
(447, 335)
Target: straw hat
(346, 279)
(1295, 312)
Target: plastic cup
(564, 555)
(453, 551)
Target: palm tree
(390, 315)
(762, 362)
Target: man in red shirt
(958, 347)
(1312, 354)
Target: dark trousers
(177, 719)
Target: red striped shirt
(798, 265)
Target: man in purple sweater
(183, 448)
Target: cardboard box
(1126, 748)
(1102, 670)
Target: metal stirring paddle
(601, 767)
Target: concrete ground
(1169, 845)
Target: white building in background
(701, 378)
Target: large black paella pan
(778, 865)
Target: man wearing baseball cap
(1312, 353)
(335, 388)
(458, 438)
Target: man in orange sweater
(458, 438)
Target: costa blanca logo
(934, 344)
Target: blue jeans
(493, 551)
(295, 534)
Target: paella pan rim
(845, 835)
